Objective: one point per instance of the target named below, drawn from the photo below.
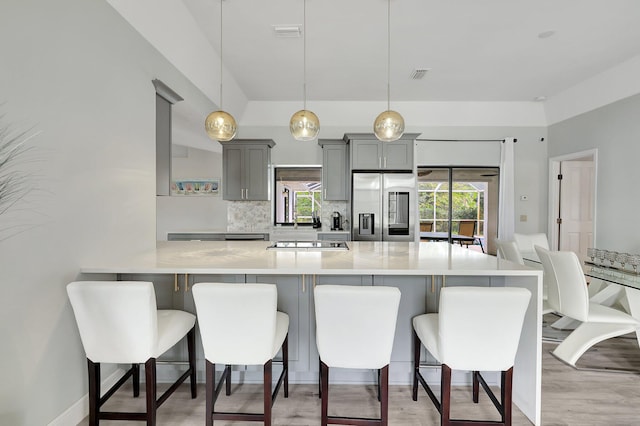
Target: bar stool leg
(210, 378)
(324, 380)
(267, 393)
(94, 392)
(150, 377)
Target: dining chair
(508, 250)
(527, 242)
(467, 228)
(487, 343)
(240, 325)
(355, 328)
(426, 226)
(569, 296)
(119, 323)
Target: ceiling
(488, 50)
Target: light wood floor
(569, 397)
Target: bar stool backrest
(480, 327)
(355, 325)
(237, 322)
(117, 320)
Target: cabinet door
(256, 172)
(397, 155)
(232, 159)
(366, 155)
(334, 172)
(293, 300)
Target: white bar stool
(477, 329)
(240, 325)
(355, 328)
(119, 323)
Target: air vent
(419, 73)
(287, 31)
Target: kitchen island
(419, 270)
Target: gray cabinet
(335, 170)
(293, 300)
(368, 153)
(334, 236)
(246, 164)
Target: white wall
(76, 72)
(613, 130)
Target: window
(298, 195)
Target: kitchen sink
(310, 245)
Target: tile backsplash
(256, 216)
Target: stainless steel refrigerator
(383, 207)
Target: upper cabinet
(369, 153)
(246, 164)
(335, 169)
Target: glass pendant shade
(389, 126)
(304, 125)
(221, 126)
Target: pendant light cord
(388, 55)
(221, 54)
(304, 55)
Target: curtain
(507, 213)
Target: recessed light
(419, 73)
(546, 34)
(540, 98)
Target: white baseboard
(79, 410)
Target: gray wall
(614, 131)
(74, 71)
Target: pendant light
(304, 124)
(220, 125)
(389, 125)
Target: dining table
(455, 238)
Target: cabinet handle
(246, 193)
(385, 162)
(304, 289)
(325, 193)
(186, 283)
(176, 286)
(380, 162)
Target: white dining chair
(240, 325)
(508, 250)
(570, 297)
(476, 329)
(355, 328)
(527, 242)
(119, 323)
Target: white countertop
(363, 258)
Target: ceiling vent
(419, 73)
(287, 31)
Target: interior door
(576, 206)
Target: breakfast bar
(419, 270)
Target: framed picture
(210, 186)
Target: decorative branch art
(15, 182)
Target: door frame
(554, 191)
